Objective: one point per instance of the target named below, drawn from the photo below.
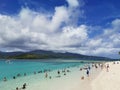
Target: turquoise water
(11, 69)
(24, 66)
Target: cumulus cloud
(73, 3)
(31, 30)
(36, 30)
(107, 43)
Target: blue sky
(81, 26)
(102, 11)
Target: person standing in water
(107, 67)
(87, 72)
(4, 79)
(46, 75)
(24, 86)
(89, 67)
(17, 88)
(58, 73)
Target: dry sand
(108, 80)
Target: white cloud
(38, 30)
(106, 44)
(61, 16)
(116, 23)
(70, 36)
(73, 3)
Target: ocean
(27, 68)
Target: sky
(89, 27)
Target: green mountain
(42, 54)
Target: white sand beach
(99, 79)
(108, 80)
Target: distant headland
(43, 54)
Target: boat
(8, 62)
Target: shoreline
(71, 81)
(99, 79)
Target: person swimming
(64, 70)
(80, 69)
(58, 72)
(64, 73)
(34, 72)
(4, 79)
(68, 70)
(50, 77)
(24, 74)
(18, 75)
(14, 77)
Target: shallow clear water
(14, 67)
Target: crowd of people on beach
(97, 65)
